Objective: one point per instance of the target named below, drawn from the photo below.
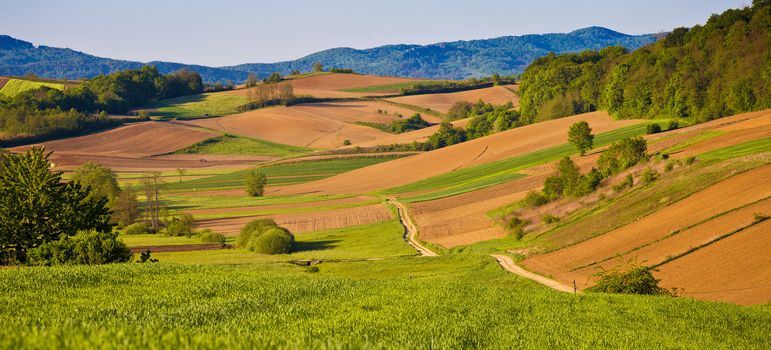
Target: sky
(230, 32)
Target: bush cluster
(637, 280)
(86, 247)
(264, 236)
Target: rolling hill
(450, 60)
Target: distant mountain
(452, 60)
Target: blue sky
(223, 32)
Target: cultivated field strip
(496, 95)
(738, 191)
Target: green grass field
(285, 173)
(490, 174)
(16, 86)
(447, 302)
(743, 149)
(196, 106)
(390, 87)
(239, 145)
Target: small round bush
(209, 236)
(254, 229)
(136, 228)
(273, 241)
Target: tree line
(705, 72)
(47, 112)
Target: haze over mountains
(449, 60)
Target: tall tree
(37, 207)
(255, 183)
(100, 179)
(580, 135)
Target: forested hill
(718, 69)
(453, 60)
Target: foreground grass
(16, 86)
(462, 303)
(238, 145)
(196, 106)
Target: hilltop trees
(36, 207)
(580, 135)
(702, 73)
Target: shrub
(181, 225)
(653, 128)
(276, 240)
(347, 142)
(549, 219)
(208, 236)
(136, 228)
(637, 280)
(266, 237)
(690, 160)
(516, 226)
(649, 176)
(670, 165)
(627, 183)
(673, 125)
(87, 247)
(534, 199)
(622, 155)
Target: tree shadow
(316, 245)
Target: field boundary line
(509, 265)
(410, 230)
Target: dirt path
(180, 248)
(508, 264)
(410, 230)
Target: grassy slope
(363, 304)
(485, 175)
(16, 86)
(238, 145)
(195, 106)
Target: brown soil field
(157, 163)
(681, 242)
(737, 191)
(496, 95)
(3, 81)
(480, 151)
(132, 141)
(329, 85)
(306, 222)
(736, 133)
(736, 269)
(741, 122)
(139, 146)
(298, 126)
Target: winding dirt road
(410, 230)
(508, 264)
